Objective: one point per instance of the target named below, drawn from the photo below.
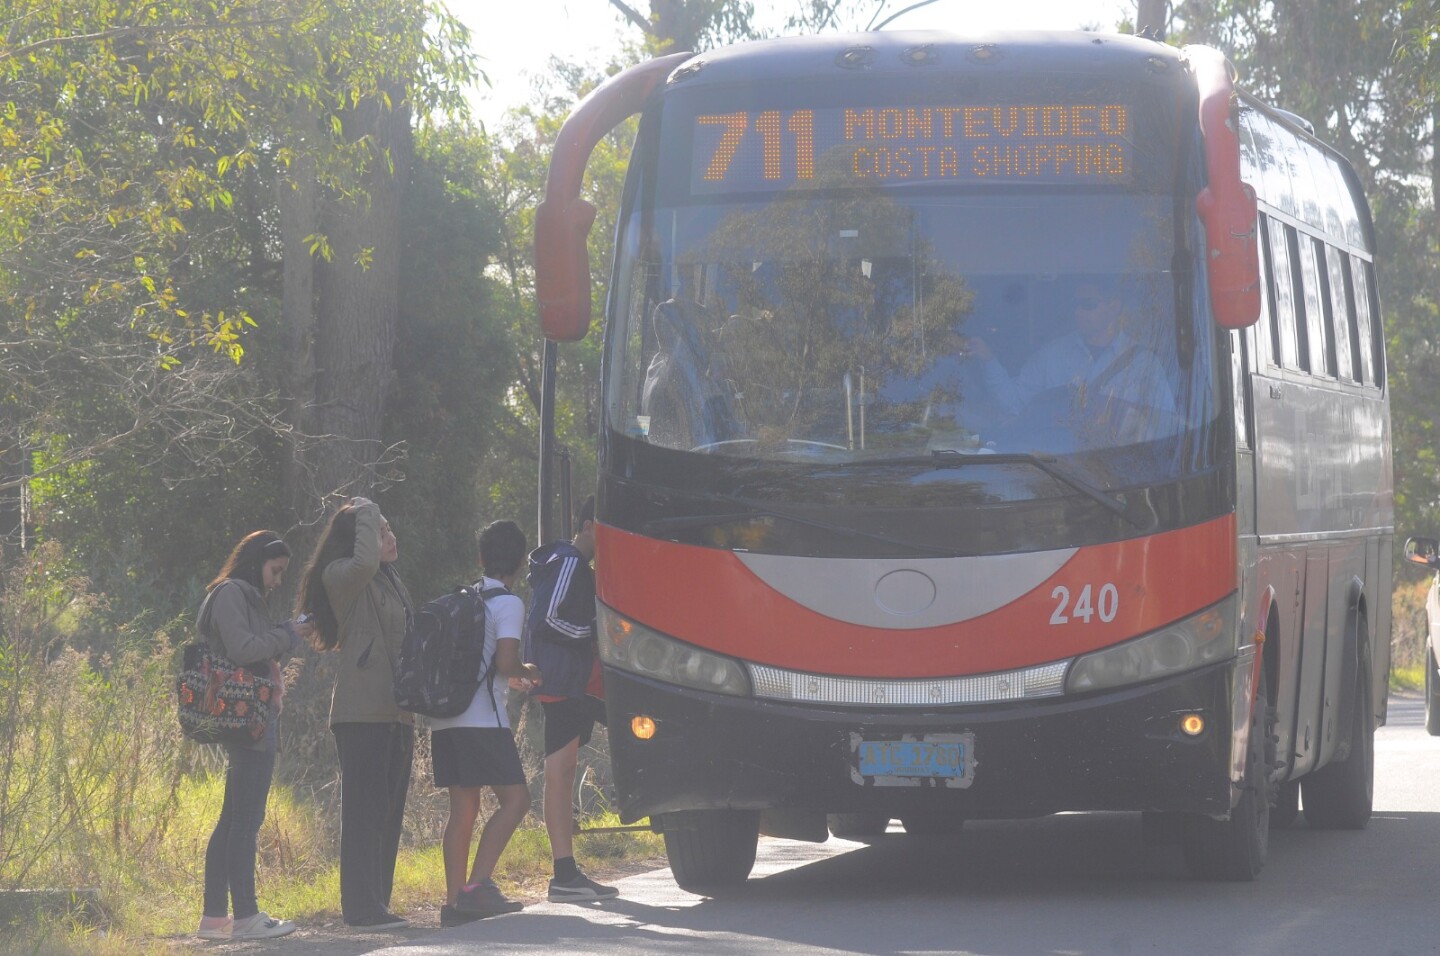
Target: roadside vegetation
(100, 793)
(1407, 644)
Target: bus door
(1282, 570)
(1310, 703)
(1242, 366)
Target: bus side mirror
(562, 286)
(1232, 255)
(1226, 206)
(1423, 551)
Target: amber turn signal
(642, 727)
(1192, 725)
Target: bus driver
(1111, 377)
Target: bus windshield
(841, 319)
(865, 326)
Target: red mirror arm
(563, 219)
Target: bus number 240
(1087, 605)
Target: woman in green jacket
(360, 610)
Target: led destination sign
(781, 149)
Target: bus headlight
(631, 646)
(1203, 639)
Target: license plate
(914, 760)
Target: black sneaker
(453, 916)
(486, 900)
(579, 889)
(381, 920)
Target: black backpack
(441, 660)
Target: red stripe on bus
(707, 597)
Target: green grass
(60, 939)
(1407, 679)
(420, 872)
(171, 907)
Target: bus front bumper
(1115, 750)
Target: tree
(345, 162)
(129, 131)
(99, 173)
(145, 240)
(517, 165)
(454, 361)
(675, 25)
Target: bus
(991, 427)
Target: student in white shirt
(477, 749)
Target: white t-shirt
(504, 619)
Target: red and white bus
(945, 470)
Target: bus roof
(902, 53)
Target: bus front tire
(711, 850)
(1234, 850)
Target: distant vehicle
(886, 529)
(1426, 553)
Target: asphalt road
(1068, 885)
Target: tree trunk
(1435, 173)
(296, 189)
(1150, 18)
(357, 296)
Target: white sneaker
(261, 926)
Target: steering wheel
(1047, 420)
(815, 444)
(712, 446)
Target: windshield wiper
(949, 458)
(1114, 502)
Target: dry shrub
(89, 748)
(98, 789)
(1408, 624)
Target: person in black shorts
(477, 749)
(560, 638)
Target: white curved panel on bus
(905, 592)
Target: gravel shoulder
(329, 936)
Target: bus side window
(1240, 383)
(1294, 350)
(1317, 325)
(1359, 327)
(1339, 305)
(1268, 340)
(1372, 336)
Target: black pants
(230, 854)
(374, 779)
